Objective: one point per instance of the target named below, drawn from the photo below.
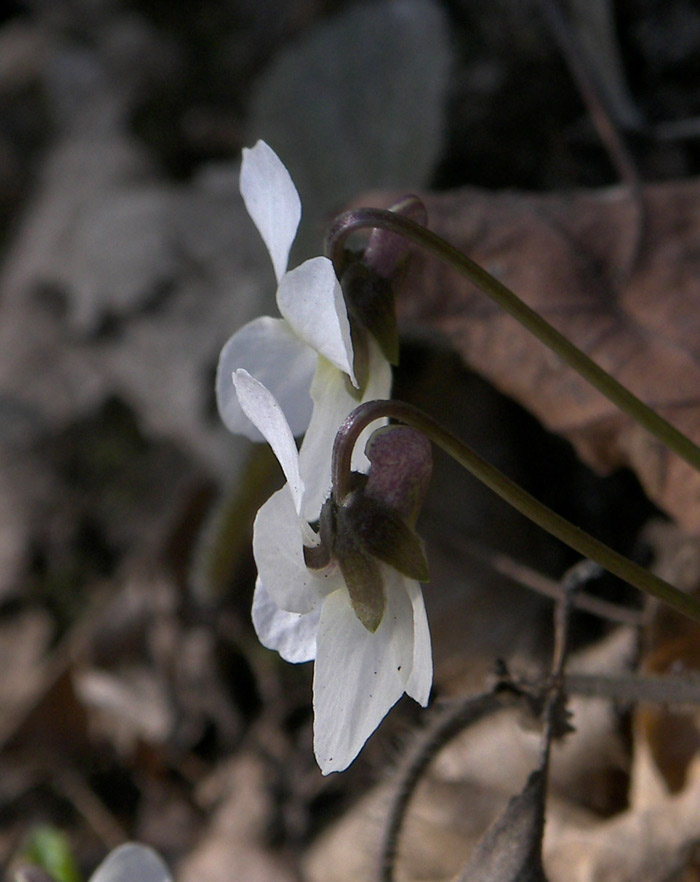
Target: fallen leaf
(667, 739)
(234, 846)
(510, 851)
(565, 256)
(645, 845)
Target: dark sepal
(401, 465)
(383, 533)
(362, 576)
(370, 302)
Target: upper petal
(269, 350)
(132, 861)
(358, 676)
(311, 299)
(293, 635)
(272, 201)
(262, 409)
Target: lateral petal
(292, 635)
(272, 202)
(269, 350)
(420, 681)
(279, 536)
(263, 410)
(311, 300)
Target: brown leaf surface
(565, 256)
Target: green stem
(366, 218)
(508, 490)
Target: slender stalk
(365, 218)
(451, 722)
(508, 490)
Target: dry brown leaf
(667, 739)
(446, 821)
(565, 256)
(234, 845)
(647, 845)
(116, 284)
(469, 783)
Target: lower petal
(358, 675)
(420, 681)
(292, 635)
(332, 403)
(378, 387)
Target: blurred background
(135, 701)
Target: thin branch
(633, 688)
(528, 577)
(450, 723)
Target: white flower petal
(272, 202)
(358, 676)
(132, 863)
(261, 408)
(269, 350)
(292, 635)
(332, 403)
(311, 300)
(279, 536)
(420, 681)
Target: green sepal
(384, 534)
(370, 301)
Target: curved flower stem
(367, 218)
(508, 490)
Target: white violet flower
(132, 862)
(306, 614)
(306, 357)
